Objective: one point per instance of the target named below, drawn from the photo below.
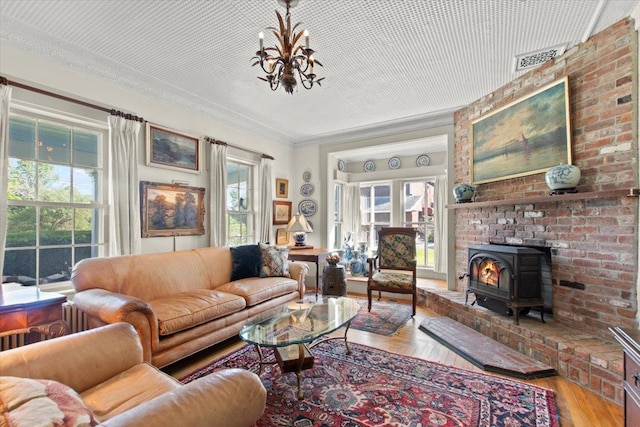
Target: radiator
(12, 341)
(75, 318)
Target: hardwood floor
(577, 406)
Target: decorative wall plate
(341, 166)
(369, 166)
(423, 160)
(306, 190)
(394, 163)
(307, 207)
(306, 176)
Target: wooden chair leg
(379, 295)
(369, 298)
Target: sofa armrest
(105, 307)
(298, 271)
(230, 398)
(80, 360)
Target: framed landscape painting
(526, 137)
(171, 210)
(172, 150)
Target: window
(337, 216)
(240, 210)
(55, 197)
(418, 213)
(399, 204)
(375, 208)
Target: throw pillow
(247, 260)
(34, 402)
(274, 261)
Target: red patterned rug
(385, 317)
(372, 387)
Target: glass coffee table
(293, 328)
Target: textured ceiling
(388, 65)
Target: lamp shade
(299, 223)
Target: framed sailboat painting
(525, 137)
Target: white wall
(21, 67)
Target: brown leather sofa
(105, 367)
(179, 302)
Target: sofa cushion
(35, 402)
(127, 390)
(274, 261)
(257, 290)
(247, 260)
(187, 309)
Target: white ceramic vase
(463, 192)
(562, 177)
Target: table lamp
(299, 226)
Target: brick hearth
(592, 362)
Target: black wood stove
(506, 279)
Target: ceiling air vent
(533, 59)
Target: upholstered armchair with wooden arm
(393, 269)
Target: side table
(334, 280)
(33, 312)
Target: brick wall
(593, 241)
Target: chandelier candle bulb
(261, 37)
(306, 38)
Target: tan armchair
(393, 269)
(104, 366)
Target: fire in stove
(490, 273)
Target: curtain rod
(218, 142)
(5, 81)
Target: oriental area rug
(385, 318)
(372, 387)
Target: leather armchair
(105, 367)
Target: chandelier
(288, 61)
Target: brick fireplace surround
(592, 235)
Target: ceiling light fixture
(288, 60)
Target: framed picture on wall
(282, 237)
(281, 212)
(525, 137)
(169, 149)
(282, 188)
(171, 210)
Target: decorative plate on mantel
(341, 166)
(394, 163)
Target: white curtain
(124, 198)
(218, 194)
(352, 220)
(5, 98)
(266, 197)
(440, 231)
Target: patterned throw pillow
(34, 402)
(274, 261)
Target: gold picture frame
(282, 188)
(171, 210)
(169, 149)
(525, 137)
(282, 237)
